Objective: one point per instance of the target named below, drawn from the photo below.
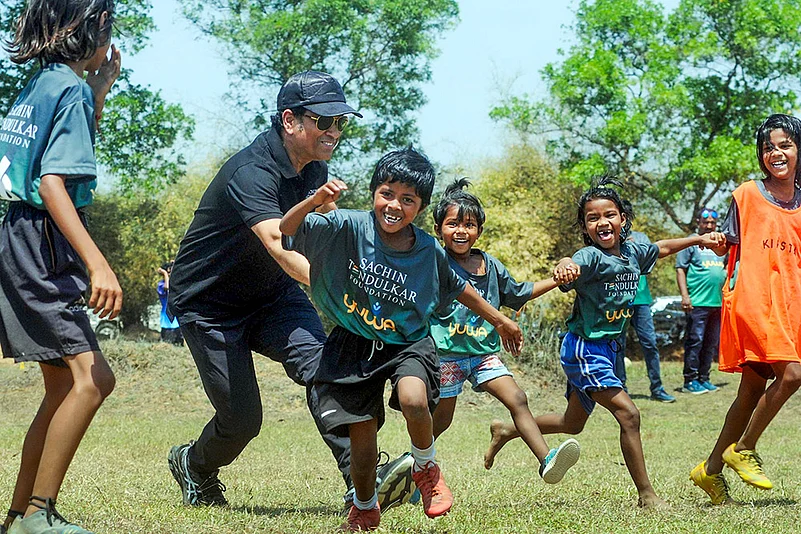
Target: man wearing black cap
(234, 289)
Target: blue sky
(496, 50)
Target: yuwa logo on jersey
(381, 282)
(455, 329)
(616, 315)
(368, 318)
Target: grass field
(286, 480)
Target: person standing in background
(170, 331)
(700, 274)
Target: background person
(170, 331)
(700, 274)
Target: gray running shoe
(46, 521)
(395, 483)
(206, 492)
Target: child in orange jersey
(760, 315)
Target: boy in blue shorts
(380, 279)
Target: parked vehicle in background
(105, 328)
(669, 320)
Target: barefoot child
(610, 272)
(48, 171)
(760, 335)
(379, 278)
(467, 347)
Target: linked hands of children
(566, 271)
(713, 241)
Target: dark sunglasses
(324, 123)
(709, 213)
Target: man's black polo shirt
(222, 271)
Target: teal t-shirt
(706, 274)
(369, 288)
(50, 129)
(460, 331)
(606, 288)
(643, 291)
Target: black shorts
(43, 286)
(354, 370)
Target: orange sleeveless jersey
(761, 316)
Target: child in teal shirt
(380, 279)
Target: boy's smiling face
(603, 223)
(395, 205)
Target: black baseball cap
(316, 91)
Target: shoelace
(720, 485)
(429, 481)
(382, 460)
(755, 461)
(50, 509)
(211, 487)
(191, 486)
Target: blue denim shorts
(477, 369)
(589, 366)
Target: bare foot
(500, 433)
(651, 501)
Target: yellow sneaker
(748, 465)
(714, 485)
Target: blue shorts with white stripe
(589, 366)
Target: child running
(760, 317)
(610, 270)
(47, 164)
(468, 347)
(379, 278)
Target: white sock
(423, 456)
(366, 505)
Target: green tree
(669, 103)
(379, 49)
(138, 233)
(139, 128)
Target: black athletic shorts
(43, 285)
(354, 370)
